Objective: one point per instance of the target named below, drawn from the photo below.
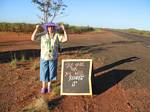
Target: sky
(95, 13)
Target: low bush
(137, 32)
(29, 28)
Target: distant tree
(50, 9)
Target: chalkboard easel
(76, 77)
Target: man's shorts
(48, 70)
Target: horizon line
(136, 28)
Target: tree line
(29, 28)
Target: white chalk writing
(75, 72)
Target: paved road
(130, 53)
(125, 61)
(138, 38)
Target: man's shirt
(49, 45)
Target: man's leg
(44, 71)
(43, 85)
(49, 86)
(44, 89)
(53, 69)
(52, 72)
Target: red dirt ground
(117, 86)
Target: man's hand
(64, 37)
(37, 26)
(62, 27)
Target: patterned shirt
(49, 45)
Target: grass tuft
(30, 59)
(56, 90)
(13, 63)
(39, 105)
(23, 58)
(35, 65)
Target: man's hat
(46, 25)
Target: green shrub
(29, 28)
(135, 31)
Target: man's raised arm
(64, 37)
(34, 33)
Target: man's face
(50, 29)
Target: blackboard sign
(76, 77)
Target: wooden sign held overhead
(76, 77)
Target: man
(49, 52)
